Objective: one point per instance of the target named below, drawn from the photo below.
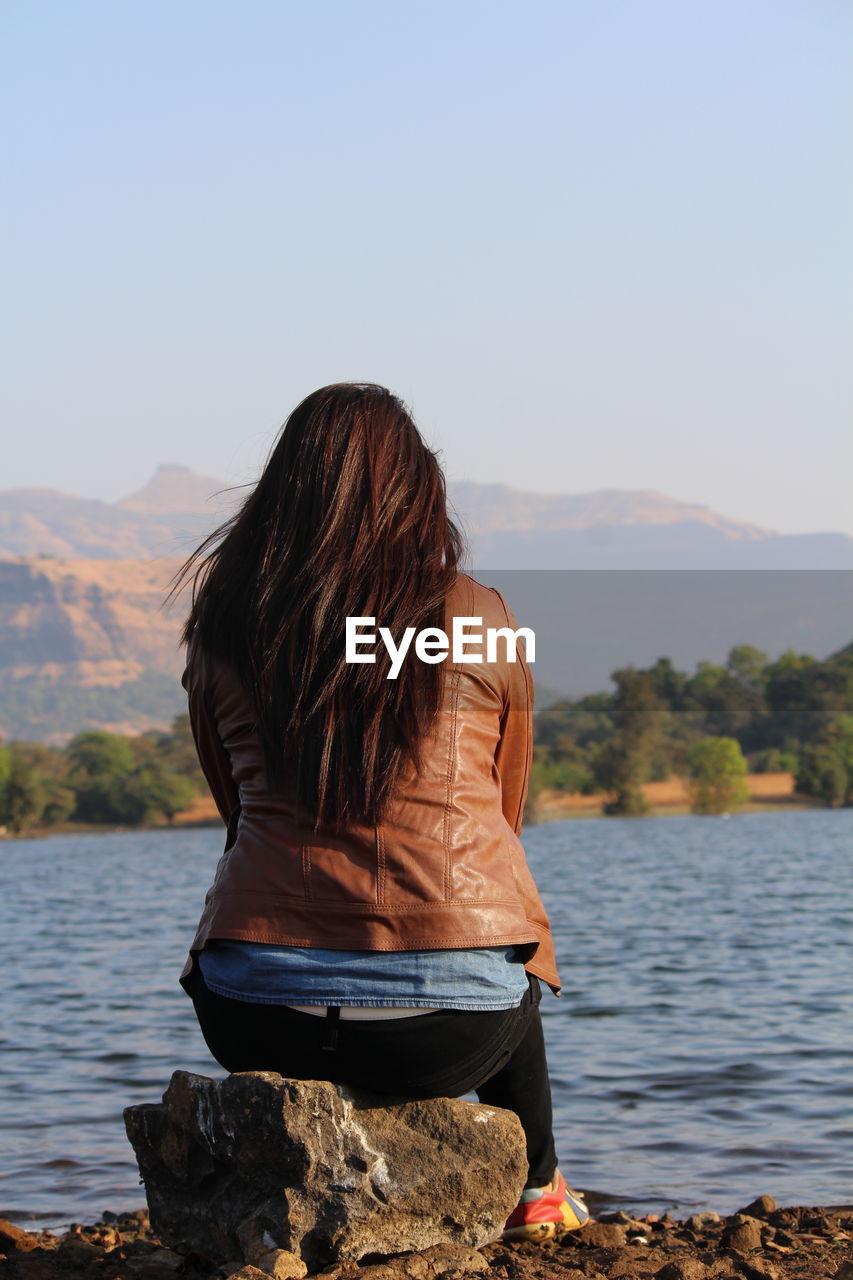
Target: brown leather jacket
(446, 868)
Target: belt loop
(330, 1034)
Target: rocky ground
(762, 1242)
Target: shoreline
(761, 1242)
(769, 793)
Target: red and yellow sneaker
(546, 1213)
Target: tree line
(99, 778)
(794, 714)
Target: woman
(372, 921)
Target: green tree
(730, 704)
(5, 773)
(175, 750)
(826, 767)
(623, 764)
(36, 791)
(772, 760)
(180, 752)
(821, 774)
(717, 772)
(100, 767)
(25, 794)
(124, 780)
(805, 696)
(747, 666)
(155, 789)
(670, 684)
(51, 766)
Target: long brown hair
(349, 518)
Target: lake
(702, 1052)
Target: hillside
(165, 519)
(507, 528)
(84, 640)
(87, 643)
(495, 507)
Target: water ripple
(701, 1053)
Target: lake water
(702, 1053)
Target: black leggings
(501, 1056)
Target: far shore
(768, 793)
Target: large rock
(239, 1167)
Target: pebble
(87, 1249)
(701, 1221)
(155, 1264)
(762, 1207)
(415, 1265)
(281, 1264)
(602, 1235)
(786, 1239)
(759, 1269)
(744, 1234)
(167, 1259)
(14, 1240)
(682, 1269)
(77, 1250)
(443, 1258)
(382, 1271)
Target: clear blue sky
(595, 245)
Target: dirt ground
(767, 791)
(762, 1242)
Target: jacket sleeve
(213, 757)
(514, 753)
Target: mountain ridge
(85, 641)
(506, 527)
(89, 643)
(608, 507)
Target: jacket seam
(507, 690)
(323, 904)
(420, 944)
(380, 867)
(306, 874)
(528, 753)
(528, 748)
(451, 774)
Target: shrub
(717, 775)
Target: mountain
(507, 528)
(177, 489)
(626, 529)
(167, 518)
(87, 644)
(85, 640)
(495, 507)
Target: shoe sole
(537, 1232)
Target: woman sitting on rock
(373, 921)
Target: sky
(594, 245)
